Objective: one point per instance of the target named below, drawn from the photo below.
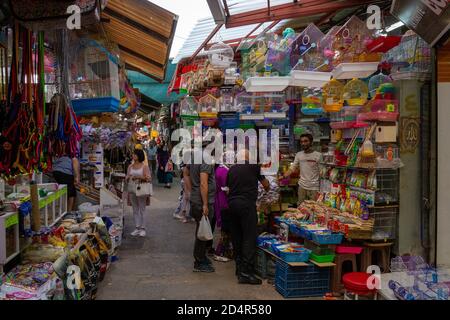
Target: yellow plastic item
(355, 93)
(332, 96)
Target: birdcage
(332, 96)
(350, 42)
(260, 103)
(253, 55)
(208, 104)
(305, 54)
(226, 101)
(94, 78)
(186, 82)
(278, 59)
(220, 55)
(312, 101)
(355, 93)
(189, 106)
(413, 54)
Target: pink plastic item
(348, 250)
(342, 125)
(380, 116)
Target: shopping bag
(143, 189)
(204, 232)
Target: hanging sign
(430, 19)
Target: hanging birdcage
(413, 54)
(220, 55)
(189, 107)
(94, 78)
(208, 105)
(350, 41)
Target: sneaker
(221, 259)
(135, 232)
(203, 268)
(178, 216)
(142, 233)
(248, 279)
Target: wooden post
(35, 212)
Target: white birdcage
(94, 78)
(220, 55)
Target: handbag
(144, 189)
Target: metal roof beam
(293, 10)
(205, 42)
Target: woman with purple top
(224, 252)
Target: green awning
(153, 89)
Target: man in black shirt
(242, 182)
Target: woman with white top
(138, 171)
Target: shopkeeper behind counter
(307, 161)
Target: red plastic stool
(356, 284)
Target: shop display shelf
(312, 111)
(309, 79)
(323, 258)
(342, 125)
(274, 115)
(378, 116)
(298, 282)
(267, 84)
(95, 105)
(330, 238)
(411, 75)
(357, 70)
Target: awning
(144, 33)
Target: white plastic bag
(204, 232)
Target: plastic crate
(261, 263)
(331, 238)
(323, 258)
(302, 255)
(343, 249)
(320, 250)
(298, 282)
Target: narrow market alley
(160, 266)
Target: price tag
(390, 107)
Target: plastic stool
(384, 249)
(339, 260)
(356, 284)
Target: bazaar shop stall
(347, 88)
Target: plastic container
(322, 258)
(95, 105)
(267, 84)
(327, 238)
(299, 255)
(342, 125)
(343, 249)
(298, 282)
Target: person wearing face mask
(307, 161)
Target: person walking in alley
(203, 188)
(151, 155)
(138, 172)
(307, 161)
(242, 182)
(66, 170)
(163, 157)
(183, 210)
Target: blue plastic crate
(302, 256)
(261, 263)
(95, 105)
(297, 282)
(331, 238)
(305, 233)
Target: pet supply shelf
(345, 71)
(267, 84)
(356, 168)
(421, 76)
(299, 264)
(309, 79)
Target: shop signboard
(430, 19)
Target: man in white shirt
(307, 161)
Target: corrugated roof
(204, 27)
(144, 33)
(240, 6)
